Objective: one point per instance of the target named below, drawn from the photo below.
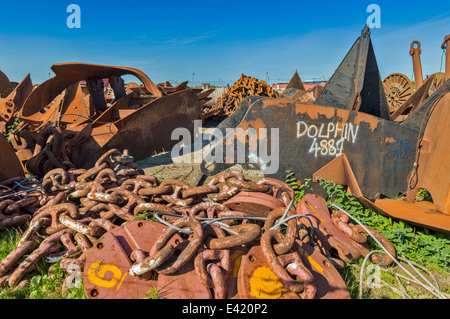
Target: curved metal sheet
(9, 163)
(4, 81)
(70, 73)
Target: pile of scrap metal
(245, 86)
(69, 121)
(402, 96)
(351, 116)
(220, 240)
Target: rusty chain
(76, 207)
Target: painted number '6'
(96, 275)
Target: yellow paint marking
(96, 274)
(315, 212)
(264, 284)
(120, 283)
(312, 261)
(236, 257)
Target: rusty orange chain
(77, 206)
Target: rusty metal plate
(422, 113)
(4, 81)
(9, 163)
(108, 261)
(330, 284)
(257, 281)
(106, 272)
(253, 204)
(381, 152)
(356, 84)
(15, 100)
(106, 268)
(351, 117)
(316, 208)
(236, 256)
(184, 284)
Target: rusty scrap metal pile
(219, 240)
(73, 118)
(90, 208)
(245, 86)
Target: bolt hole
(140, 224)
(94, 293)
(99, 245)
(326, 263)
(251, 258)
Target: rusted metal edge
(4, 82)
(9, 163)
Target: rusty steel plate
(9, 163)
(257, 281)
(351, 116)
(253, 204)
(356, 84)
(330, 284)
(108, 261)
(67, 74)
(141, 131)
(14, 101)
(236, 256)
(316, 208)
(107, 264)
(380, 151)
(184, 284)
(4, 81)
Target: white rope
(432, 289)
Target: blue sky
(217, 40)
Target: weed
(424, 195)
(11, 128)
(299, 190)
(152, 294)
(146, 215)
